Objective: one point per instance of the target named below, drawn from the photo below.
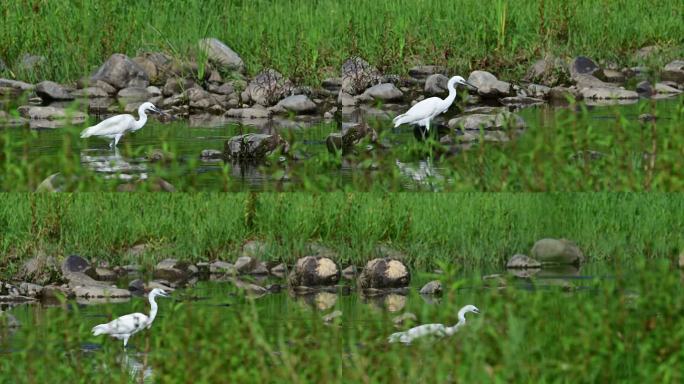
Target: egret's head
(150, 108)
(470, 308)
(159, 292)
(461, 81)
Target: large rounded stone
(253, 146)
(174, 270)
(221, 54)
(488, 86)
(49, 90)
(313, 271)
(522, 262)
(384, 273)
(121, 72)
(432, 288)
(41, 270)
(557, 251)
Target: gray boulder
(90, 92)
(549, 71)
(268, 87)
(520, 261)
(300, 104)
(221, 54)
(133, 94)
(557, 251)
(222, 267)
(14, 88)
(424, 72)
(174, 270)
(248, 113)
(33, 112)
(434, 287)
(436, 85)
(313, 271)
(613, 76)
(41, 270)
(664, 89)
(102, 274)
(674, 71)
(137, 286)
(331, 86)
(174, 86)
(211, 154)
(608, 93)
(384, 92)
(479, 121)
(488, 86)
(49, 91)
(645, 88)
(520, 101)
(357, 76)
(382, 273)
(582, 65)
(92, 292)
(120, 72)
(253, 146)
(538, 91)
(561, 94)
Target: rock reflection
(139, 371)
(113, 164)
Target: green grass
(309, 40)
(625, 329)
(462, 230)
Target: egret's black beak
(470, 85)
(476, 311)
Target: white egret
(427, 109)
(115, 127)
(440, 330)
(126, 326)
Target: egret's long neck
(153, 309)
(142, 119)
(452, 94)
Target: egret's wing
(424, 330)
(424, 109)
(112, 126)
(126, 324)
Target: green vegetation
(464, 230)
(563, 149)
(308, 41)
(625, 329)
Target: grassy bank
(307, 40)
(464, 230)
(627, 329)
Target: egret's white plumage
(115, 127)
(439, 330)
(126, 326)
(424, 111)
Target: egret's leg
(116, 139)
(111, 144)
(125, 341)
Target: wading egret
(440, 330)
(115, 127)
(427, 109)
(128, 325)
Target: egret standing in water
(426, 110)
(440, 330)
(126, 326)
(115, 127)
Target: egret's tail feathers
(396, 337)
(99, 329)
(399, 120)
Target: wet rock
(350, 136)
(313, 271)
(383, 273)
(384, 92)
(137, 286)
(562, 94)
(90, 92)
(253, 146)
(246, 264)
(550, 71)
(8, 290)
(120, 72)
(211, 154)
(613, 76)
(134, 94)
(225, 89)
(222, 267)
(300, 104)
(436, 85)
(538, 91)
(557, 251)
(221, 54)
(434, 287)
(424, 72)
(357, 76)
(214, 77)
(488, 86)
(174, 270)
(608, 93)
(645, 88)
(174, 86)
(404, 319)
(30, 289)
(331, 86)
(268, 87)
(14, 88)
(102, 274)
(250, 288)
(664, 89)
(520, 261)
(519, 101)
(161, 284)
(52, 292)
(75, 263)
(249, 113)
(49, 91)
(674, 71)
(582, 65)
(332, 316)
(33, 112)
(40, 269)
(90, 292)
(479, 121)
(279, 270)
